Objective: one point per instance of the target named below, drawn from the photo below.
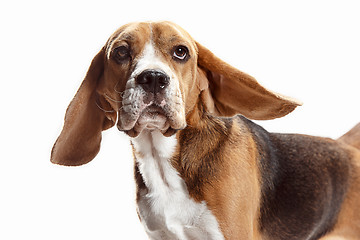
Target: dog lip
(152, 114)
(154, 109)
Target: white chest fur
(166, 209)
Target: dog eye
(181, 53)
(121, 54)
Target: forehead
(160, 33)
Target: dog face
(157, 67)
(152, 76)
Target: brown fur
(259, 185)
(352, 137)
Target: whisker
(115, 88)
(127, 104)
(107, 111)
(111, 98)
(122, 94)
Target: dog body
(201, 171)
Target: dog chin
(152, 118)
(134, 133)
(137, 129)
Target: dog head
(151, 76)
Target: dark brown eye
(121, 54)
(181, 53)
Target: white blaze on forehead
(149, 59)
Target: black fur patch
(201, 152)
(304, 181)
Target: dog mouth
(164, 112)
(151, 117)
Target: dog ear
(85, 118)
(231, 91)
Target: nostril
(144, 79)
(163, 81)
(147, 79)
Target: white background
(309, 50)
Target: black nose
(153, 80)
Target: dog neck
(169, 196)
(185, 152)
(153, 152)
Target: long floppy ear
(79, 140)
(234, 92)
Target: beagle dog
(203, 171)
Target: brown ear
(234, 92)
(79, 140)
